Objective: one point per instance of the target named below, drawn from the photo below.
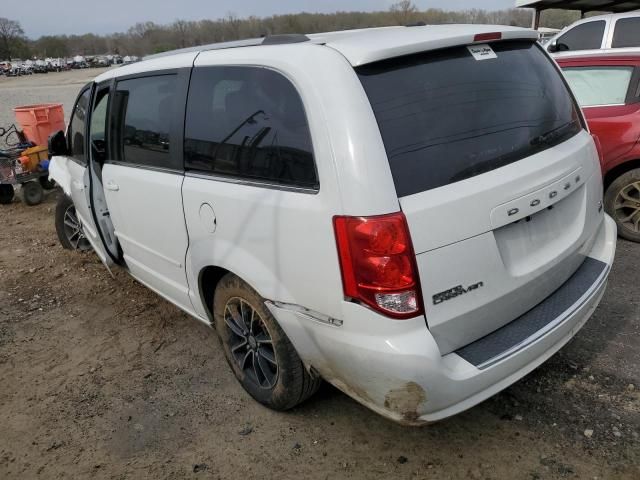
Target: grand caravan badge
(455, 292)
(482, 51)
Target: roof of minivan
(371, 45)
(359, 47)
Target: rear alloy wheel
(258, 351)
(622, 202)
(6, 194)
(250, 343)
(68, 226)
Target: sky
(50, 17)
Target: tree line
(149, 37)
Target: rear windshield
(445, 116)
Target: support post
(536, 19)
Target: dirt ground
(100, 378)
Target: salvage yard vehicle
(607, 86)
(349, 206)
(615, 32)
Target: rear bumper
(395, 367)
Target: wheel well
(208, 281)
(618, 170)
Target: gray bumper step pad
(491, 346)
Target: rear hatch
(496, 174)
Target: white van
(619, 32)
(413, 214)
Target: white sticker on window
(482, 51)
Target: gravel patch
(62, 87)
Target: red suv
(607, 86)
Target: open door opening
(70, 168)
(98, 146)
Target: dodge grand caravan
(413, 214)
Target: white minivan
(413, 214)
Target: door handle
(112, 186)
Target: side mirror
(553, 47)
(57, 144)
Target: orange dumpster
(40, 121)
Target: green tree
(404, 11)
(148, 37)
(51, 46)
(12, 38)
(181, 29)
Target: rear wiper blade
(552, 135)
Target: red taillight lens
(485, 37)
(378, 263)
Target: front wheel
(68, 226)
(622, 202)
(261, 356)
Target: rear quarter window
(446, 117)
(248, 123)
(626, 33)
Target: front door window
(77, 125)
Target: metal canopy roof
(619, 6)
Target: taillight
(378, 263)
(485, 37)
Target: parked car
(349, 206)
(546, 34)
(619, 32)
(608, 88)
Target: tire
(6, 194)
(32, 193)
(273, 373)
(622, 202)
(46, 183)
(68, 227)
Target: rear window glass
(599, 85)
(446, 117)
(627, 33)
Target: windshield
(445, 116)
